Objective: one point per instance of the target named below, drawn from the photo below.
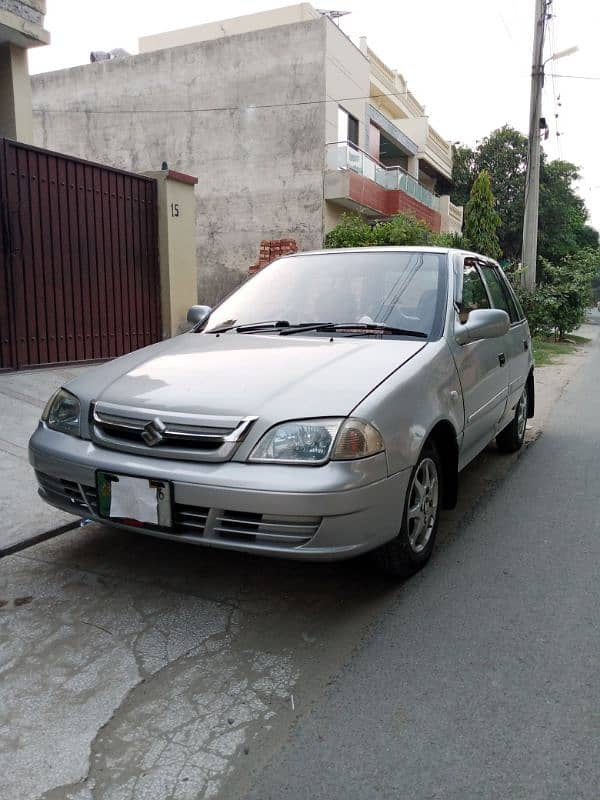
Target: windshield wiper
(360, 327)
(252, 326)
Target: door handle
(502, 359)
(525, 344)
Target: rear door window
(500, 294)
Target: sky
(467, 61)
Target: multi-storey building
(286, 122)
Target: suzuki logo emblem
(153, 432)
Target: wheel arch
(443, 435)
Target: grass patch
(546, 350)
(578, 339)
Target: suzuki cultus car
(323, 410)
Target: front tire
(512, 437)
(412, 548)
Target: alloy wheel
(423, 505)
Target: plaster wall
(232, 111)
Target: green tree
(503, 154)
(562, 216)
(481, 219)
(562, 213)
(463, 170)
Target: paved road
(132, 668)
(483, 679)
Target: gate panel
(8, 356)
(79, 272)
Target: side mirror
(198, 314)
(482, 323)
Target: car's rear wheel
(512, 437)
(411, 549)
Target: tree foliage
(481, 218)
(557, 305)
(351, 231)
(562, 224)
(562, 213)
(463, 168)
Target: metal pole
(532, 179)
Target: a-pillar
(16, 118)
(177, 247)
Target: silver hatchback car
(323, 410)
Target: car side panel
(484, 383)
(518, 353)
(519, 358)
(407, 406)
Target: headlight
(62, 413)
(315, 441)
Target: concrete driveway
(23, 396)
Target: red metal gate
(79, 272)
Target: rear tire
(411, 549)
(512, 437)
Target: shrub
(352, 231)
(557, 305)
(401, 229)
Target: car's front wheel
(411, 549)
(512, 437)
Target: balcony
(386, 81)
(433, 148)
(345, 156)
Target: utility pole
(532, 179)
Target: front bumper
(331, 512)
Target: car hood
(270, 376)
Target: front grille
(196, 436)
(190, 518)
(76, 494)
(244, 527)
(240, 527)
(167, 434)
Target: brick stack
(270, 249)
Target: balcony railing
(344, 155)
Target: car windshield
(403, 290)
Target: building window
(347, 127)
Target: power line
(580, 77)
(506, 28)
(223, 108)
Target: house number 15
(174, 209)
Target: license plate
(134, 501)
